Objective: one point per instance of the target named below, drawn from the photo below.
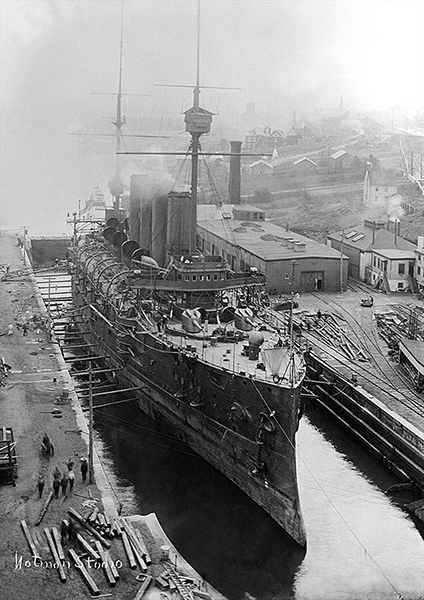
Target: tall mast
(116, 186)
(198, 121)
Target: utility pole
(291, 302)
(341, 261)
(49, 316)
(25, 234)
(90, 425)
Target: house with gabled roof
(380, 186)
(377, 255)
(304, 166)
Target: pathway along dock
(352, 375)
(36, 397)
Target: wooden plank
(138, 554)
(55, 555)
(112, 565)
(116, 527)
(75, 515)
(29, 538)
(45, 507)
(105, 564)
(81, 568)
(87, 547)
(143, 546)
(92, 518)
(144, 587)
(58, 542)
(128, 551)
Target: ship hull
(160, 373)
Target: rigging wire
(327, 496)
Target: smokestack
(388, 222)
(373, 232)
(235, 168)
(398, 227)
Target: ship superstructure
(209, 357)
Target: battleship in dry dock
(208, 355)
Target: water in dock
(360, 544)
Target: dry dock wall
(387, 435)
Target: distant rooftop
(261, 238)
(361, 237)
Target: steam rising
(301, 55)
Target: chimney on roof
(388, 222)
(235, 168)
(373, 232)
(396, 232)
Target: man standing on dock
(71, 476)
(40, 485)
(84, 468)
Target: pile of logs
(88, 550)
(335, 333)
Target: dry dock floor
(28, 397)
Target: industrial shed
(291, 262)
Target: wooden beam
(87, 547)
(75, 515)
(45, 507)
(144, 587)
(105, 565)
(128, 551)
(29, 538)
(58, 542)
(81, 568)
(83, 358)
(55, 555)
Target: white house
(419, 264)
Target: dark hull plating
(193, 399)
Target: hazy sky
(282, 53)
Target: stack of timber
(334, 331)
(103, 551)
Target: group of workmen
(65, 479)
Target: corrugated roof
(250, 236)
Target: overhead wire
(327, 496)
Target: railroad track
(402, 390)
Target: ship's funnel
(178, 229)
(234, 184)
(135, 206)
(159, 219)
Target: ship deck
(233, 355)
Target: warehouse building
(291, 262)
